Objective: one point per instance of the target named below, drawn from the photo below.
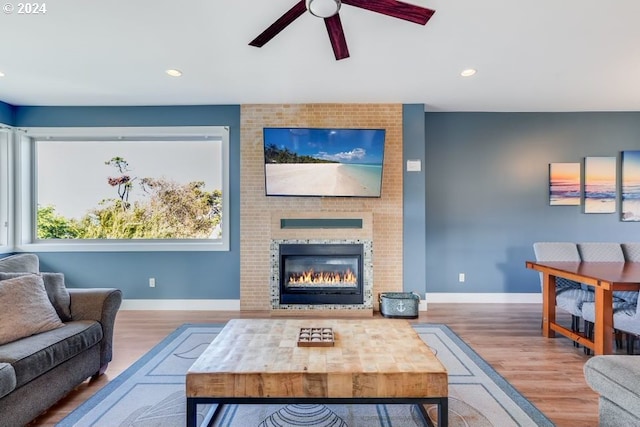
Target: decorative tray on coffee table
(316, 337)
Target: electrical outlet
(152, 282)
(461, 277)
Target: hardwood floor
(546, 371)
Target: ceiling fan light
(323, 8)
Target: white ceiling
(543, 55)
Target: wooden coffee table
(258, 361)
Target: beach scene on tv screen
(323, 162)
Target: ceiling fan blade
(281, 23)
(397, 9)
(336, 35)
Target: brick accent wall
(257, 210)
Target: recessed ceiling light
(468, 72)
(2, 74)
(173, 72)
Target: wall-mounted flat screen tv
(323, 162)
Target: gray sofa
(37, 370)
(616, 378)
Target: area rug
(151, 393)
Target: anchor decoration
(399, 304)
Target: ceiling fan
(328, 10)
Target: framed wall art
(599, 184)
(564, 184)
(630, 209)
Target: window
(5, 188)
(122, 189)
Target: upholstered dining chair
(601, 252)
(631, 251)
(569, 294)
(607, 252)
(623, 300)
(626, 318)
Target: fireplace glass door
(321, 274)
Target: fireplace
(298, 256)
(321, 273)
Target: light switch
(414, 165)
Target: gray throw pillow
(21, 263)
(26, 309)
(56, 291)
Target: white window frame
(26, 190)
(6, 189)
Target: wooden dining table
(604, 278)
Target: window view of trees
(138, 208)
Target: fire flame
(323, 278)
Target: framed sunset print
(630, 209)
(599, 184)
(564, 184)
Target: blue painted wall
(6, 114)
(477, 207)
(211, 275)
(487, 192)
(414, 195)
(184, 275)
(188, 115)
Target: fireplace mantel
(322, 225)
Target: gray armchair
(616, 378)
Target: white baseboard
(234, 305)
(181, 304)
(480, 298)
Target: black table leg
(425, 415)
(443, 412)
(192, 404)
(192, 414)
